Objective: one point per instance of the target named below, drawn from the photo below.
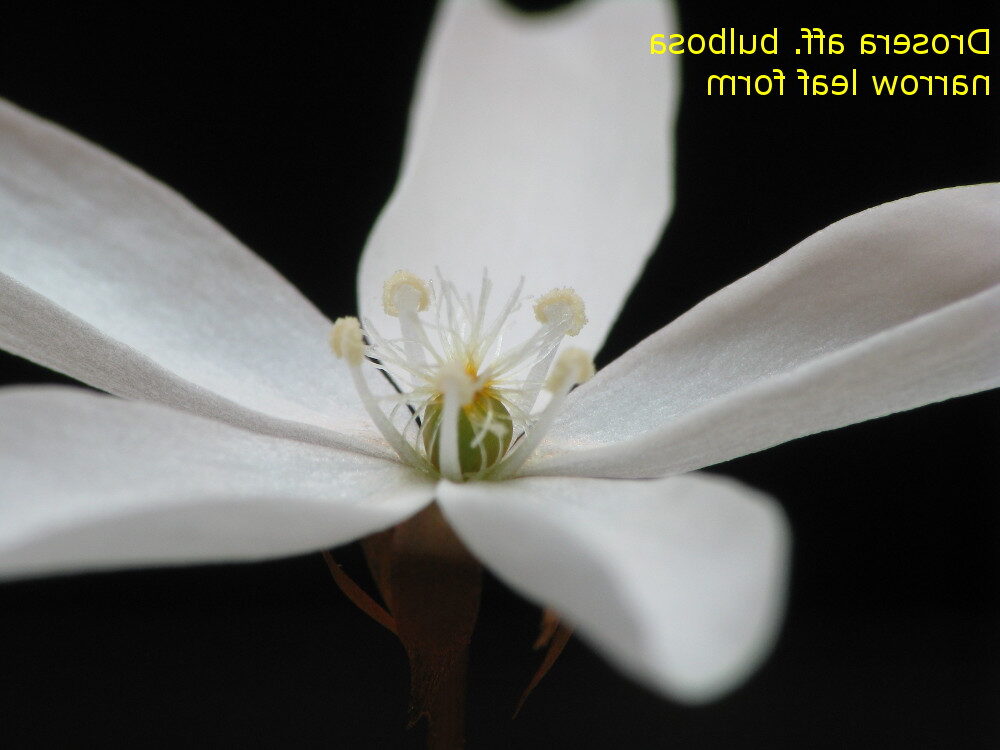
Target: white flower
(536, 152)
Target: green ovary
(484, 413)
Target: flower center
(462, 406)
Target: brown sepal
(358, 596)
(556, 635)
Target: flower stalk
(431, 586)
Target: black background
(286, 125)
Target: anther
(405, 291)
(563, 308)
(347, 340)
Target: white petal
(116, 280)
(678, 581)
(537, 148)
(887, 310)
(90, 481)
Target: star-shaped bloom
(539, 151)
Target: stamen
(405, 295)
(573, 367)
(562, 313)
(348, 343)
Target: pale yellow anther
(452, 379)
(562, 307)
(404, 290)
(347, 340)
(574, 366)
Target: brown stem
(431, 585)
